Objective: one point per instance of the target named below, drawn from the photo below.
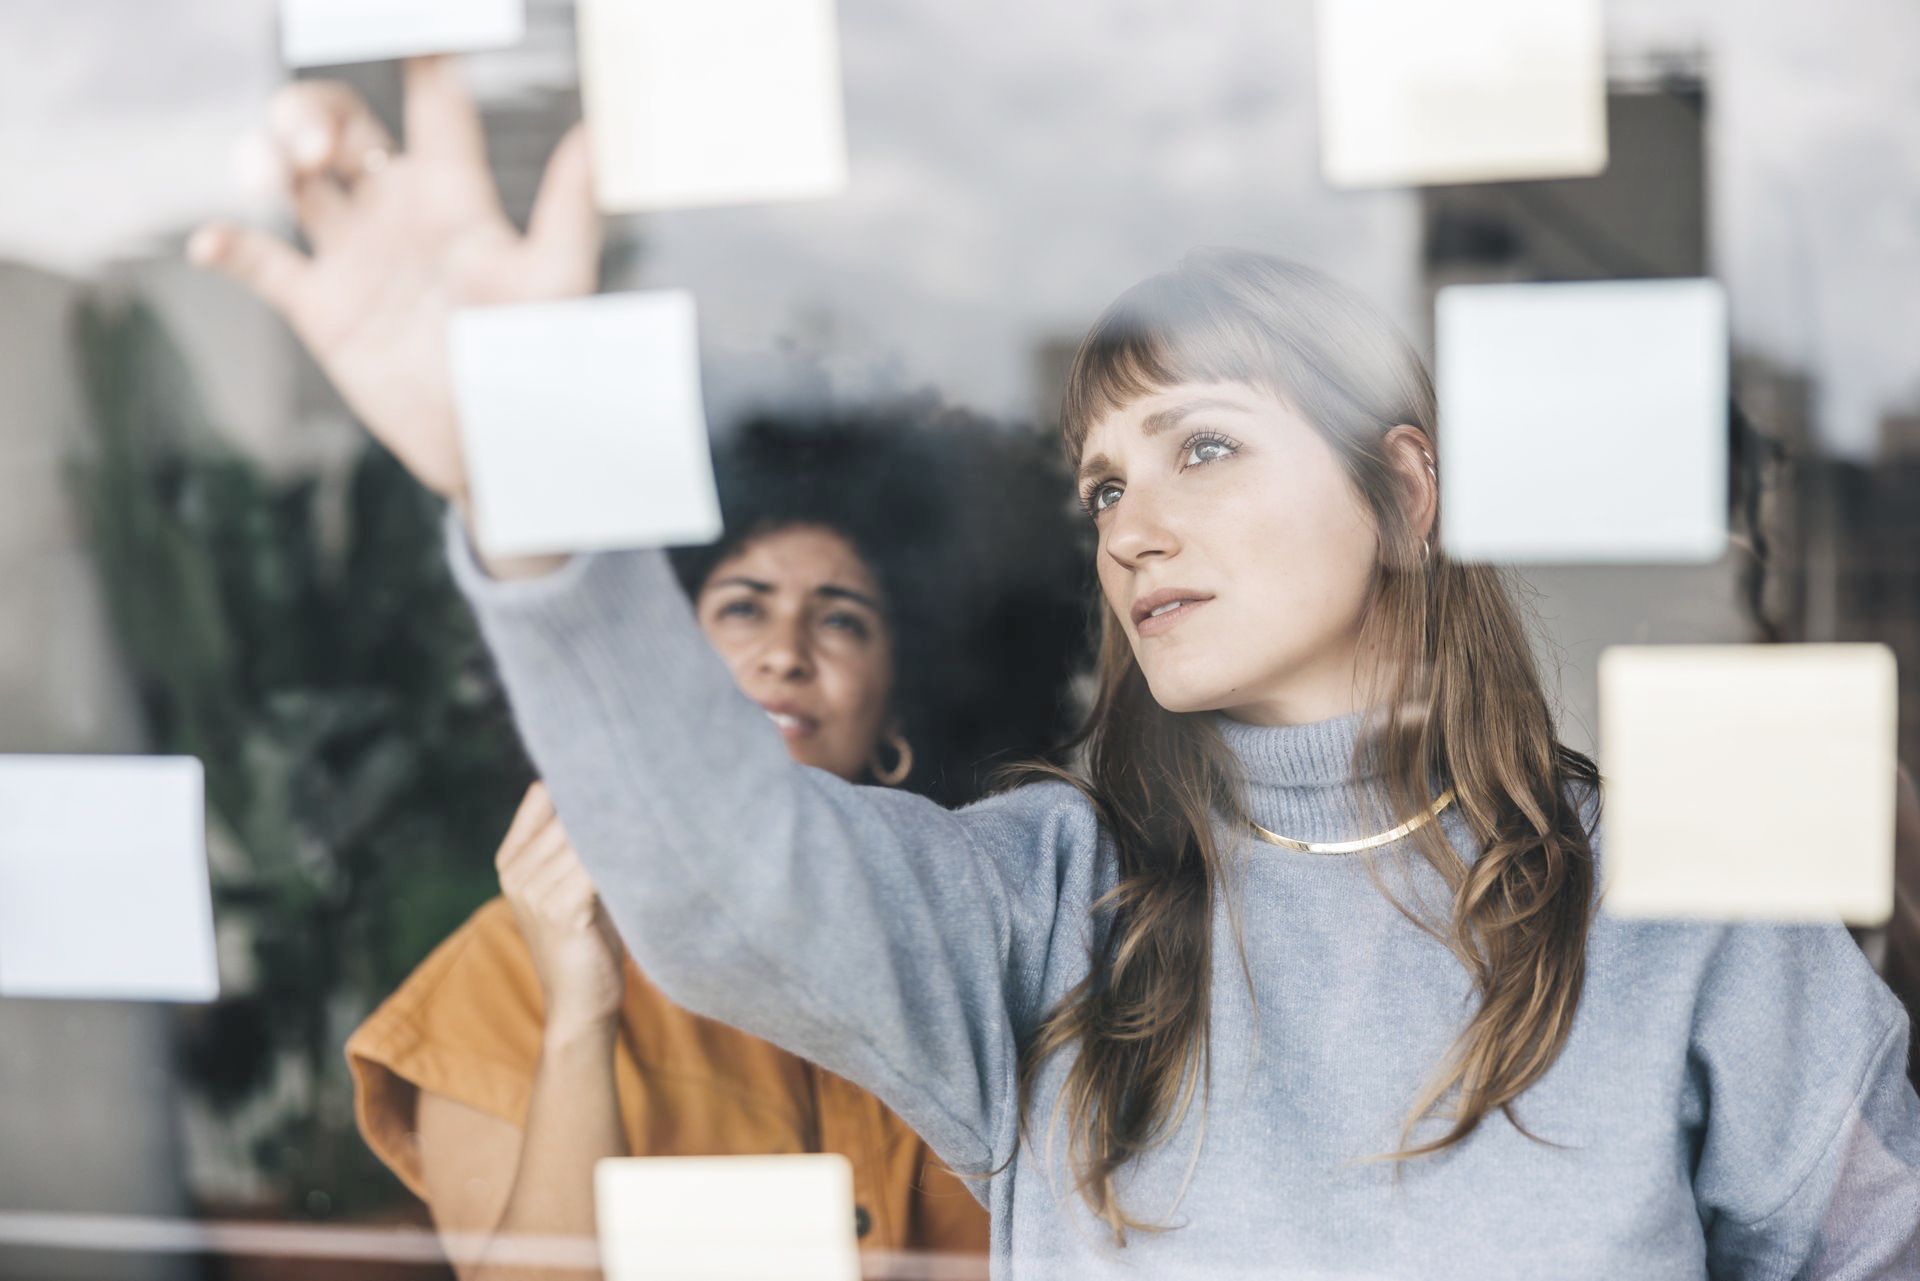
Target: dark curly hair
(967, 525)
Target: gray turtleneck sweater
(1731, 1102)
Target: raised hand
(399, 240)
(576, 952)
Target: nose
(1139, 530)
(785, 655)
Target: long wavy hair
(1456, 698)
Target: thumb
(564, 231)
(267, 265)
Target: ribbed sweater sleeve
(1812, 1136)
(1853, 1209)
(892, 941)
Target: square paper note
(1412, 91)
(1583, 422)
(584, 425)
(726, 1218)
(103, 879)
(716, 102)
(317, 33)
(1749, 781)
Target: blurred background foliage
(308, 646)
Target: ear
(1410, 452)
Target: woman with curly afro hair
(895, 637)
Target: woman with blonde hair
(1302, 976)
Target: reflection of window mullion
(1605, 252)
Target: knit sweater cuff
(484, 590)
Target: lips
(1166, 608)
(792, 722)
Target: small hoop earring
(902, 766)
(1426, 556)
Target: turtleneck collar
(1302, 782)
(1315, 755)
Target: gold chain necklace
(1388, 837)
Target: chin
(1188, 693)
(805, 752)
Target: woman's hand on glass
(399, 241)
(576, 951)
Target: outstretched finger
(323, 127)
(565, 230)
(322, 207)
(265, 264)
(441, 119)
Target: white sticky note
(1749, 781)
(584, 425)
(711, 103)
(1583, 423)
(317, 33)
(1468, 91)
(727, 1218)
(104, 890)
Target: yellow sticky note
(727, 1218)
(1749, 781)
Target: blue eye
(742, 608)
(1208, 449)
(1197, 451)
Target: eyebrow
(831, 591)
(1155, 423)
